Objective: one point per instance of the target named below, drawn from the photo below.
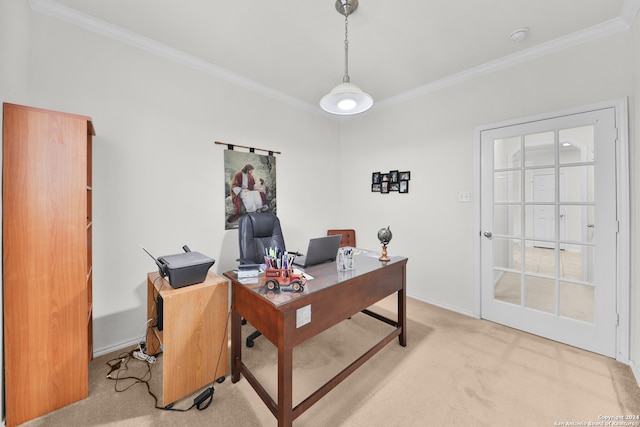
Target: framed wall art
(392, 181)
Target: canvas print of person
(249, 185)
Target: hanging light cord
(346, 79)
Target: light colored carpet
(455, 371)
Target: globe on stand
(384, 235)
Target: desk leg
(402, 318)
(236, 346)
(402, 309)
(286, 326)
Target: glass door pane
(555, 204)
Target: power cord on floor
(140, 355)
(120, 364)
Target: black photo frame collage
(392, 181)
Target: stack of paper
(248, 270)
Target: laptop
(321, 249)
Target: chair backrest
(257, 231)
(348, 236)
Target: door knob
(487, 234)
(590, 226)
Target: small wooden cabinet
(194, 338)
(47, 275)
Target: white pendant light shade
(346, 99)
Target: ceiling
(294, 49)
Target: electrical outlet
(303, 316)
(464, 196)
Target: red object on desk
(284, 278)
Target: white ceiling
(294, 49)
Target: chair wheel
(249, 343)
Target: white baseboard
(115, 347)
(445, 306)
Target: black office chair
(257, 231)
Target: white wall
(158, 176)
(634, 149)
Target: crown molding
(85, 21)
(612, 26)
(55, 9)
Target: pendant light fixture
(346, 98)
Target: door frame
(620, 106)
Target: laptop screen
(321, 249)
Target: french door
(549, 228)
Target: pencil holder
(341, 261)
(344, 260)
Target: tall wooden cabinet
(47, 274)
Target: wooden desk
(193, 334)
(331, 297)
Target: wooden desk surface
(324, 276)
